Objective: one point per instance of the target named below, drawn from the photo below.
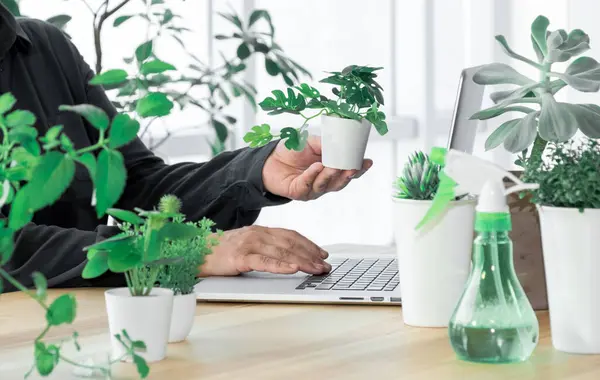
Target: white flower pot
(182, 320)
(572, 264)
(144, 318)
(343, 142)
(434, 261)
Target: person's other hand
(264, 249)
(301, 175)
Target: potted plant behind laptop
(568, 201)
(182, 276)
(540, 119)
(346, 119)
(142, 308)
(434, 261)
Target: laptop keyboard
(356, 274)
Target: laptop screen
(468, 101)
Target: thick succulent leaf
(511, 53)
(588, 119)
(571, 45)
(500, 96)
(499, 135)
(500, 73)
(557, 121)
(538, 34)
(583, 74)
(522, 135)
(538, 52)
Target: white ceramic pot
(144, 318)
(344, 142)
(434, 262)
(182, 320)
(572, 264)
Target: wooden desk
(285, 342)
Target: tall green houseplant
(544, 118)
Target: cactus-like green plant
(419, 180)
(549, 121)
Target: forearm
(227, 189)
(57, 253)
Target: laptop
(367, 275)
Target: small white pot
(572, 264)
(434, 262)
(343, 142)
(144, 318)
(182, 320)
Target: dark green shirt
(43, 69)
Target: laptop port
(351, 299)
(377, 299)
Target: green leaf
(45, 361)
(220, 129)
(583, 74)
(243, 51)
(588, 119)
(7, 102)
(125, 216)
(308, 91)
(280, 103)
(257, 15)
(89, 161)
(377, 118)
(110, 180)
(96, 266)
(123, 130)
(523, 134)
(144, 51)
(259, 135)
(272, 67)
(21, 211)
(121, 19)
(557, 121)
(142, 367)
(62, 310)
(499, 73)
(110, 77)
(12, 6)
(41, 285)
(54, 174)
(59, 21)
(156, 67)
(538, 33)
(138, 345)
(261, 48)
(22, 133)
(53, 133)
(122, 260)
(234, 19)
(154, 104)
(20, 117)
(291, 137)
(562, 47)
(6, 246)
(178, 231)
(94, 115)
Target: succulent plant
(549, 120)
(419, 179)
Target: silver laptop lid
(468, 101)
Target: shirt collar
(11, 32)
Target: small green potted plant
(568, 201)
(433, 261)
(143, 308)
(539, 119)
(183, 275)
(346, 119)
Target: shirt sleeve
(228, 189)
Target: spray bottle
(493, 321)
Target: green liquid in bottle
(494, 321)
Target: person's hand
(264, 249)
(301, 175)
